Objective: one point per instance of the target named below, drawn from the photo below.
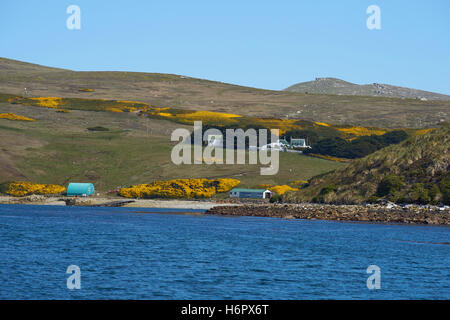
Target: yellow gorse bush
(331, 158)
(48, 102)
(224, 119)
(282, 189)
(12, 116)
(23, 188)
(207, 117)
(361, 131)
(200, 115)
(82, 104)
(180, 188)
(114, 109)
(423, 131)
(164, 114)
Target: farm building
(298, 143)
(215, 140)
(250, 193)
(80, 189)
(283, 142)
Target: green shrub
(4, 187)
(328, 189)
(389, 185)
(433, 192)
(276, 198)
(357, 148)
(419, 194)
(320, 198)
(98, 128)
(444, 185)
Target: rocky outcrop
(390, 213)
(341, 87)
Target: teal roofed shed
(250, 193)
(80, 189)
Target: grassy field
(58, 148)
(175, 91)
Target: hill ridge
(183, 92)
(330, 85)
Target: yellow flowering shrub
(331, 158)
(129, 102)
(13, 99)
(164, 114)
(323, 124)
(188, 117)
(224, 185)
(423, 131)
(48, 102)
(282, 189)
(114, 109)
(180, 188)
(225, 119)
(129, 109)
(12, 116)
(160, 109)
(361, 131)
(200, 115)
(23, 188)
(64, 111)
(82, 104)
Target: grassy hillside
(186, 93)
(416, 170)
(341, 87)
(58, 148)
(113, 129)
(342, 141)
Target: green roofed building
(80, 189)
(298, 143)
(250, 193)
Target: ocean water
(128, 253)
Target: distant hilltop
(188, 93)
(341, 87)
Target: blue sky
(264, 44)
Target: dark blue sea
(129, 253)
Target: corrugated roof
(247, 190)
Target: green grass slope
(414, 171)
(58, 148)
(175, 91)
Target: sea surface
(135, 253)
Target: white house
(215, 140)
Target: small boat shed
(250, 193)
(80, 189)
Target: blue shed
(250, 193)
(80, 189)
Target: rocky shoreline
(384, 213)
(389, 213)
(110, 202)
